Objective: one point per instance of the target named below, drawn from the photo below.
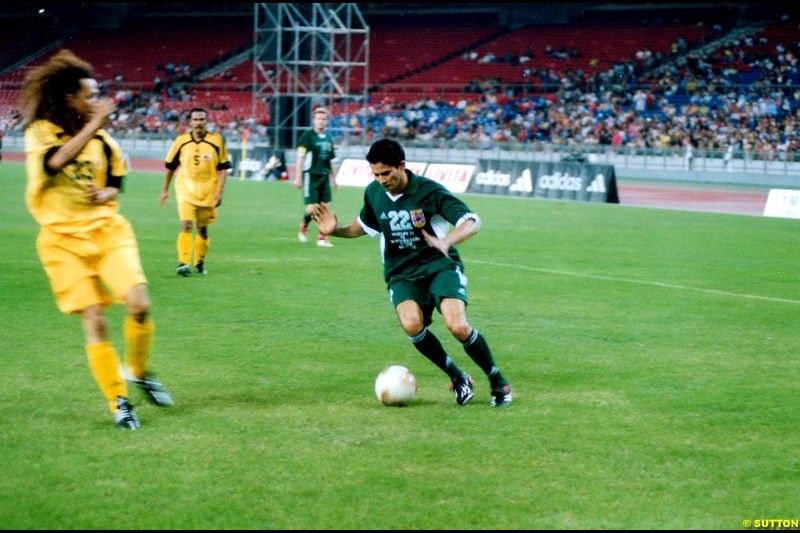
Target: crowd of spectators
(741, 96)
(744, 96)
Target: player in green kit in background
(422, 269)
(315, 172)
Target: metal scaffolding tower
(304, 56)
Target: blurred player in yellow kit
(88, 250)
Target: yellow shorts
(200, 215)
(94, 267)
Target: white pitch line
(639, 282)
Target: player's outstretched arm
(329, 224)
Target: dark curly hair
(45, 89)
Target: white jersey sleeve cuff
(469, 216)
(371, 232)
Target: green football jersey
(319, 152)
(423, 205)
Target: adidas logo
(523, 183)
(598, 185)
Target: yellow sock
(138, 344)
(184, 247)
(104, 363)
(201, 246)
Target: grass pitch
(653, 356)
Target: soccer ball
(395, 386)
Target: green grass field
(653, 355)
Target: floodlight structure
(305, 56)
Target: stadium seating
(431, 68)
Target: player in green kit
(422, 269)
(315, 173)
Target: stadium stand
(615, 80)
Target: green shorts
(316, 188)
(429, 291)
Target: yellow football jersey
(59, 200)
(200, 162)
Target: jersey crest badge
(418, 218)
